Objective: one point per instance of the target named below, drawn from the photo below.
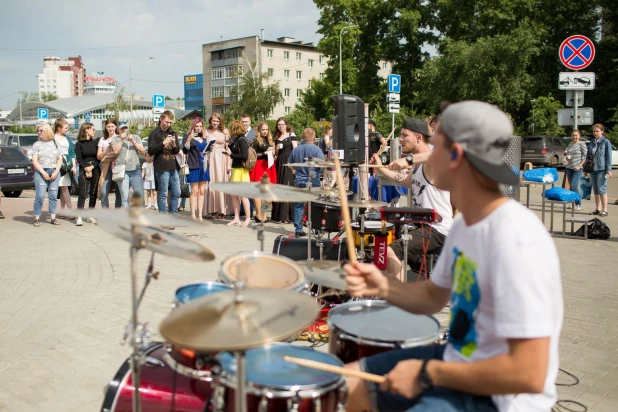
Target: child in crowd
(149, 183)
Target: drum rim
(177, 303)
(389, 225)
(206, 376)
(298, 286)
(406, 343)
(284, 391)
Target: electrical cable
(106, 47)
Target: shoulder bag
(249, 164)
(118, 171)
(589, 163)
(65, 168)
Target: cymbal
(161, 241)
(328, 191)
(217, 322)
(143, 218)
(324, 272)
(366, 204)
(265, 191)
(316, 163)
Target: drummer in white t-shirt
(500, 270)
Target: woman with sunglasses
(47, 161)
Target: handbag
(65, 168)
(588, 165)
(185, 190)
(119, 170)
(184, 169)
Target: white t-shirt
(426, 195)
(504, 276)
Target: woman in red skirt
(264, 147)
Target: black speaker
(349, 128)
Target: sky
(100, 32)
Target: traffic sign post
(570, 98)
(584, 117)
(42, 113)
(577, 52)
(392, 101)
(87, 117)
(576, 81)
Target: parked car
(16, 171)
(543, 150)
(23, 141)
(586, 139)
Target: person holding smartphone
(126, 146)
(162, 145)
(196, 147)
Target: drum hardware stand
(259, 228)
(310, 177)
(149, 276)
(240, 400)
(406, 237)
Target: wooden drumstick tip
(335, 369)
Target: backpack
(597, 229)
(249, 164)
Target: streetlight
(340, 75)
(131, 88)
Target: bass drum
(161, 388)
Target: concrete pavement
(64, 303)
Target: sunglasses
(39, 131)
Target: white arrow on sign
(576, 81)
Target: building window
(299, 93)
(321, 76)
(299, 56)
(287, 110)
(227, 91)
(217, 73)
(286, 55)
(383, 65)
(269, 53)
(286, 74)
(310, 83)
(271, 72)
(216, 91)
(322, 59)
(233, 71)
(310, 63)
(286, 92)
(299, 75)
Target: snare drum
(277, 385)
(261, 270)
(186, 361)
(364, 328)
(161, 388)
(372, 228)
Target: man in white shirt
(500, 269)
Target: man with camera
(163, 145)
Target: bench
(564, 204)
(578, 219)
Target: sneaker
(299, 234)
(578, 207)
(91, 220)
(1, 215)
(79, 222)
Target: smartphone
(199, 134)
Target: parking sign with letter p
(158, 100)
(394, 83)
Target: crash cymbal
(161, 241)
(310, 164)
(224, 321)
(265, 191)
(326, 273)
(366, 204)
(327, 191)
(143, 217)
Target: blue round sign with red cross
(577, 52)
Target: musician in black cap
(500, 271)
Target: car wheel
(554, 161)
(14, 193)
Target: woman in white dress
(67, 149)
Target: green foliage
(180, 126)
(543, 119)
(119, 103)
(384, 120)
(300, 120)
(317, 99)
(25, 129)
(254, 96)
(48, 97)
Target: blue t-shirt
(298, 155)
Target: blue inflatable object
(585, 187)
(537, 175)
(561, 194)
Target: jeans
(599, 182)
(299, 210)
(132, 178)
(434, 399)
(83, 188)
(168, 180)
(574, 177)
(106, 188)
(183, 180)
(41, 186)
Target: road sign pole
(395, 143)
(575, 114)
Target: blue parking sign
(394, 83)
(87, 117)
(42, 113)
(158, 100)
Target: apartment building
(291, 63)
(64, 78)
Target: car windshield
(9, 155)
(28, 140)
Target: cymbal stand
(310, 176)
(406, 237)
(259, 229)
(363, 191)
(149, 276)
(240, 399)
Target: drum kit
(228, 344)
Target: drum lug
(263, 405)
(293, 404)
(150, 361)
(218, 396)
(343, 398)
(317, 403)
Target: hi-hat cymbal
(366, 204)
(224, 322)
(161, 241)
(326, 273)
(124, 217)
(265, 191)
(328, 191)
(316, 163)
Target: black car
(16, 171)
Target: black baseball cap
(416, 125)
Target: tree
(301, 120)
(28, 97)
(168, 98)
(48, 97)
(253, 96)
(119, 103)
(543, 118)
(316, 99)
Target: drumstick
(335, 369)
(346, 213)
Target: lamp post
(340, 72)
(131, 88)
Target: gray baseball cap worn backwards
(484, 131)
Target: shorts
(599, 182)
(149, 185)
(434, 399)
(415, 244)
(240, 174)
